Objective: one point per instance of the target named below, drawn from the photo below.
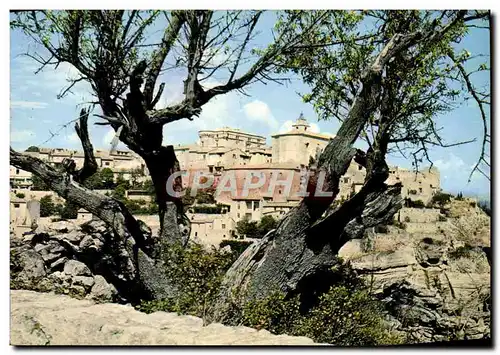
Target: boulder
(430, 251)
(76, 268)
(86, 281)
(102, 291)
(74, 236)
(58, 265)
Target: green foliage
(140, 207)
(407, 219)
(120, 181)
(47, 206)
(382, 229)
(198, 273)
(119, 193)
(187, 199)
(266, 224)
(254, 229)
(461, 252)
(217, 209)
(346, 315)
(32, 148)
(68, 211)
(441, 198)
(485, 206)
(205, 196)
(135, 175)
(414, 204)
(247, 228)
(237, 246)
(107, 178)
(20, 195)
(100, 180)
(38, 184)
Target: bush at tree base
(346, 315)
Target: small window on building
(238, 215)
(17, 171)
(279, 192)
(106, 163)
(255, 205)
(223, 226)
(16, 205)
(211, 169)
(346, 180)
(195, 234)
(360, 167)
(307, 145)
(420, 189)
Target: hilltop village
(217, 153)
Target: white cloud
(21, 136)
(452, 164)
(108, 137)
(259, 111)
(314, 128)
(28, 104)
(73, 138)
(286, 126)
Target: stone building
(299, 144)
(121, 162)
(230, 152)
(24, 214)
(222, 148)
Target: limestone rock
(76, 268)
(102, 291)
(86, 281)
(48, 319)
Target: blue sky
(36, 112)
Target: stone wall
(418, 215)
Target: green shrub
(382, 229)
(68, 211)
(198, 274)
(237, 246)
(442, 218)
(461, 252)
(217, 209)
(407, 219)
(343, 317)
(441, 198)
(414, 204)
(20, 195)
(485, 206)
(254, 229)
(47, 206)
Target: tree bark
(304, 247)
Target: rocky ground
(49, 319)
(434, 283)
(433, 276)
